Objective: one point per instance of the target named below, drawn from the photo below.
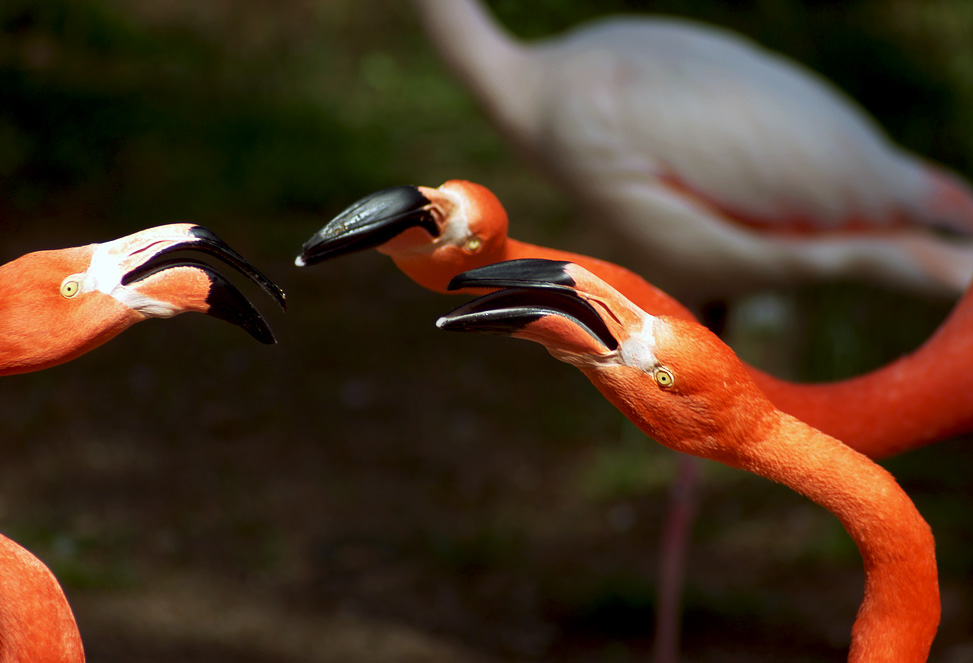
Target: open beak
(145, 251)
(369, 223)
(159, 284)
(531, 290)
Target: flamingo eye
(70, 288)
(473, 244)
(663, 377)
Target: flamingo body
(732, 166)
(682, 386)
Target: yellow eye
(473, 244)
(663, 377)
(70, 288)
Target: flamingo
(682, 386)
(57, 305)
(732, 166)
(432, 234)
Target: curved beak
(531, 290)
(158, 284)
(146, 248)
(369, 223)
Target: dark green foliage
(136, 119)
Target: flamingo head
(672, 377)
(431, 234)
(56, 305)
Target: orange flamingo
(681, 385)
(434, 234)
(57, 305)
(729, 166)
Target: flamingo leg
(684, 492)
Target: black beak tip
(322, 247)
(524, 272)
(204, 240)
(308, 256)
(445, 322)
(259, 330)
(227, 303)
(280, 298)
(265, 335)
(369, 222)
(525, 292)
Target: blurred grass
(469, 487)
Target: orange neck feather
(36, 623)
(900, 612)
(931, 390)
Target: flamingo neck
(642, 293)
(900, 612)
(28, 343)
(497, 68)
(925, 410)
(36, 622)
(433, 269)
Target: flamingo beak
(369, 223)
(158, 284)
(530, 290)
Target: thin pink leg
(673, 548)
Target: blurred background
(372, 489)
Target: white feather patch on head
(105, 273)
(457, 229)
(638, 350)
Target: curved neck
(930, 391)
(900, 612)
(30, 342)
(36, 622)
(499, 70)
(643, 294)
(899, 615)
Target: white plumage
(732, 167)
